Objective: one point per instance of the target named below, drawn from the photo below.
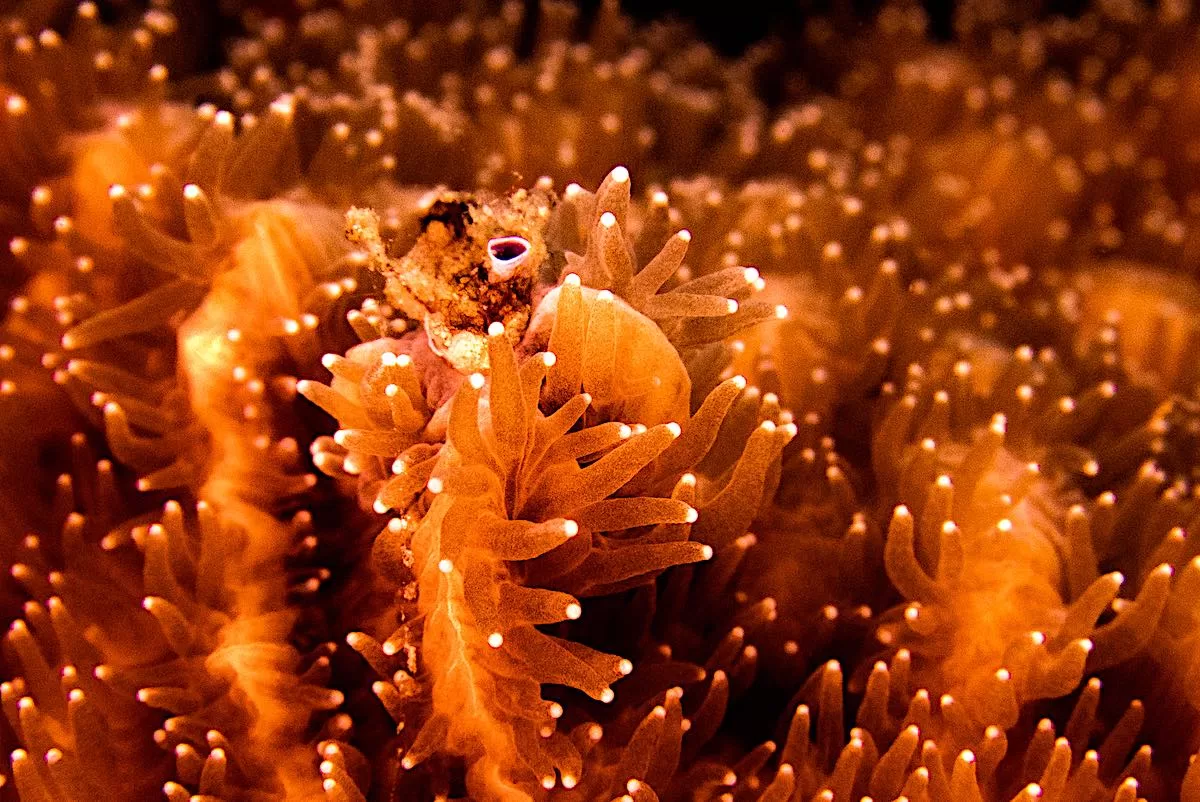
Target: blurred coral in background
(512, 402)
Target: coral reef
(507, 402)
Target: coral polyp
(530, 402)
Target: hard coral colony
(842, 445)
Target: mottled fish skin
(453, 280)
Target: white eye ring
(507, 254)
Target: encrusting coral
(515, 403)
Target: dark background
(731, 26)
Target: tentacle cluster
(851, 454)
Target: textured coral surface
(407, 401)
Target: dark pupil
(506, 251)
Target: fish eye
(507, 254)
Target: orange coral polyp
(583, 329)
(104, 160)
(508, 488)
